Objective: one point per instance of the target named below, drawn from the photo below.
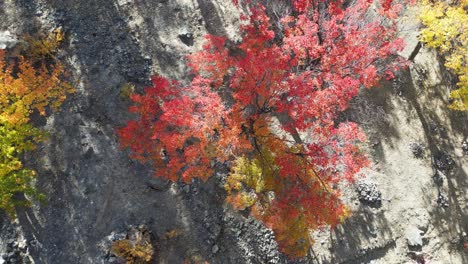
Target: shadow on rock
(441, 128)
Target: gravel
(465, 147)
(444, 162)
(417, 149)
(369, 193)
(442, 200)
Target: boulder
(413, 237)
(7, 40)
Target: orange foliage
(25, 88)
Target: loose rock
(413, 237)
(465, 147)
(444, 162)
(438, 178)
(417, 149)
(368, 192)
(442, 200)
(7, 40)
(215, 249)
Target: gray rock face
(13, 247)
(94, 189)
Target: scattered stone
(16, 251)
(215, 230)
(465, 147)
(442, 200)
(417, 149)
(215, 249)
(23, 244)
(417, 256)
(421, 219)
(413, 237)
(436, 128)
(122, 245)
(438, 178)
(368, 192)
(444, 162)
(112, 260)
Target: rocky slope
(96, 193)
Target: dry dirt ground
(95, 192)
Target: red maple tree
(269, 104)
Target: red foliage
(232, 106)
(174, 127)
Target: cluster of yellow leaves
(14, 141)
(45, 46)
(138, 251)
(26, 86)
(171, 234)
(127, 90)
(246, 175)
(247, 187)
(250, 185)
(255, 184)
(252, 180)
(446, 29)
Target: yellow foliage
(134, 252)
(26, 86)
(446, 29)
(250, 180)
(172, 234)
(295, 236)
(255, 183)
(126, 90)
(14, 141)
(42, 47)
(248, 172)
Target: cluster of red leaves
(244, 95)
(174, 128)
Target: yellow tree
(26, 86)
(446, 29)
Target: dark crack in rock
(186, 38)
